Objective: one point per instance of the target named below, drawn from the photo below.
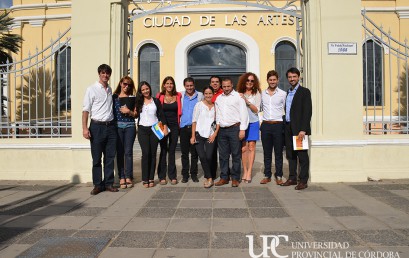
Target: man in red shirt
(215, 83)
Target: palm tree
(8, 42)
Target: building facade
(353, 55)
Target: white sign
(341, 48)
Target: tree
(8, 42)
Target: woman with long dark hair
(150, 112)
(204, 134)
(172, 109)
(126, 130)
(249, 89)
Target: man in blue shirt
(298, 111)
(190, 97)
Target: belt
(272, 122)
(112, 122)
(233, 125)
(187, 127)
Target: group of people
(217, 122)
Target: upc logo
(275, 241)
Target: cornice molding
(36, 20)
(38, 6)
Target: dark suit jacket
(301, 111)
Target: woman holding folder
(125, 113)
(150, 112)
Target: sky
(5, 3)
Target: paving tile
(394, 186)
(66, 247)
(29, 222)
(186, 240)
(268, 213)
(106, 223)
(273, 224)
(85, 211)
(379, 193)
(402, 193)
(147, 224)
(172, 190)
(395, 220)
(230, 213)
(193, 213)
(195, 203)
(293, 237)
(39, 234)
(232, 225)
(261, 189)
(259, 196)
(365, 187)
(138, 239)
(167, 196)
(199, 189)
(227, 189)
(12, 235)
(230, 240)
(315, 188)
(189, 225)
(240, 203)
(317, 222)
(232, 253)
(120, 211)
(13, 250)
(338, 236)
(361, 222)
(52, 210)
(156, 213)
(228, 195)
(162, 203)
(382, 238)
(68, 222)
(198, 196)
(110, 252)
(398, 202)
(263, 203)
(96, 233)
(343, 211)
(6, 218)
(167, 253)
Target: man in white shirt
(233, 118)
(98, 104)
(272, 128)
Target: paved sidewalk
(54, 218)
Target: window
(63, 71)
(222, 59)
(285, 58)
(149, 66)
(373, 73)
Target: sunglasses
(248, 80)
(125, 83)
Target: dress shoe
(221, 182)
(185, 180)
(195, 179)
(289, 182)
(279, 180)
(265, 180)
(111, 189)
(301, 186)
(235, 183)
(96, 191)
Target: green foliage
(8, 42)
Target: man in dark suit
(298, 111)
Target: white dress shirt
(254, 99)
(148, 115)
(273, 106)
(98, 102)
(204, 119)
(231, 109)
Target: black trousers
(272, 136)
(167, 152)
(103, 142)
(149, 145)
(296, 156)
(186, 148)
(206, 150)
